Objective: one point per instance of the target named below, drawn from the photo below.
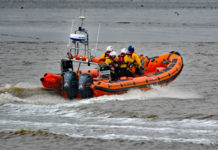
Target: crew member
(123, 71)
(112, 61)
(108, 50)
(134, 62)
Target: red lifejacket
(121, 58)
(107, 53)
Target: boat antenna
(97, 36)
(82, 20)
(82, 16)
(71, 31)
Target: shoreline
(108, 4)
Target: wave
(135, 94)
(34, 94)
(184, 131)
(28, 93)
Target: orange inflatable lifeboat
(159, 70)
(75, 83)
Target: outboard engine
(85, 80)
(69, 79)
(70, 84)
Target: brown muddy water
(183, 115)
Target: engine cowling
(85, 80)
(70, 84)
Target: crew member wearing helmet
(122, 65)
(108, 50)
(134, 61)
(112, 61)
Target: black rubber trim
(143, 62)
(154, 57)
(140, 86)
(167, 69)
(171, 65)
(157, 73)
(174, 60)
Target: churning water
(183, 115)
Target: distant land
(164, 4)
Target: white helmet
(109, 48)
(113, 53)
(124, 50)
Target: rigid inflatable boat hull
(160, 70)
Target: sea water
(182, 115)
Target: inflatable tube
(159, 70)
